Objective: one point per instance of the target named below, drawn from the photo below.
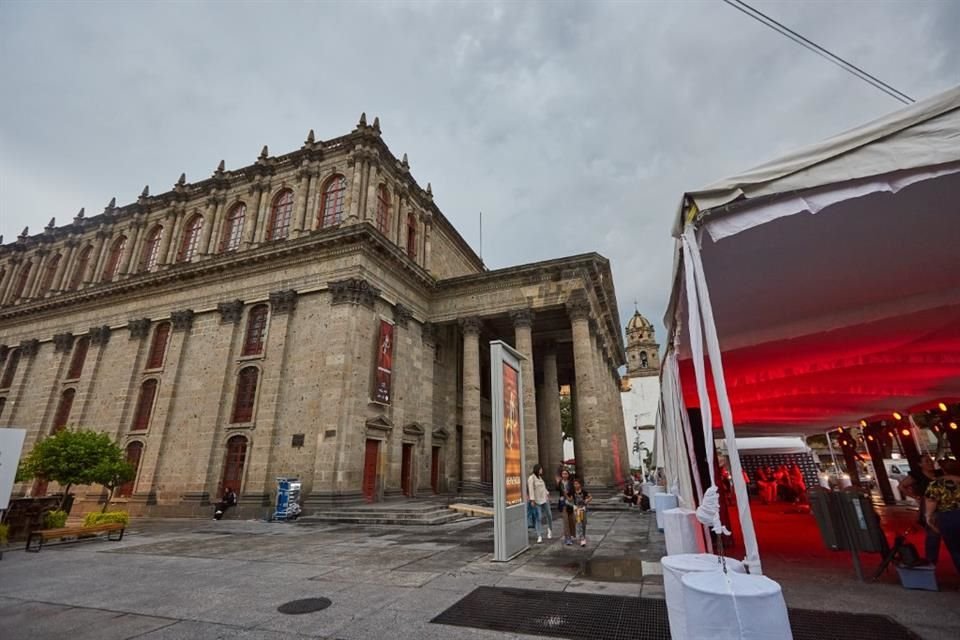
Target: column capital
(522, 318)
(401, 315)
(230, 312)
(99, 335)
(354, 291)
(139, 328)
(62, 342)
(182, 320)
(29, 347)
(428, 333)
(283, 301)
(471, 325)
(578, 305)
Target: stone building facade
(640, 388)
(314, 315)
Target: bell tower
(643, 352)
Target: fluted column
(214, 203)
(471, 399)
(300, 204)
(33, 282)
(65, 259)
(169, 224)
(590, 467)
(523, 335)
(550, 437)
(173, 242)
(136, 230)
(93, 267)
(251, 216)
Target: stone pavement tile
(548, 570)
(281, 570)
(604, 588)
(378, 576)
(428, 600)
(652, 591)
(34, 620)
(403, 625)
(466, 581)
(191, 630)
(539, 584)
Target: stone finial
(182, 180)
(522, 317)
(139, 328)
(401, 315)
(429, 190)
(471, 325)
(405, 163)
(1, 238)
(284, 301)
(376, 124)
(52, 224)
(24, 234)
(146, 191)
(354, 291)
(182, 320)
(230, 312)
(112, 204)
(77, 219)
(310, 137)
(264, 153)
(363, 120)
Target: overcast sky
(572, 126)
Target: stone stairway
(395, 512)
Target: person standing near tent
(942, 499)
(915, 485)
(540, 502)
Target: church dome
(639, 323)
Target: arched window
(233, 465)
(331, 205)
(280, 213)
(158, 347)
(151, 249)
(112, 267)
(383, 209)
(62, 415)
(11, 369)
(233, 229)
(256, 330)
(246, 395)
(78, 358)
(21, 286)
(141, 418)
(191, 238)
(49, 273)
(412, 235)
(80, 268)
(643, 360)
(134, 453)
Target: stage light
(870, 438)
(905, 432)
(953, 425)
(942, 406)
(863, 423)
(897, 416)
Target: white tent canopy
(826, 284)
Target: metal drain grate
(581, 616)
(307, 605)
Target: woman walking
(565, 487)
(942, 505)
(580, 501)
(540, 502)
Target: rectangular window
(141, 419)
(159, 346)
(79, 357)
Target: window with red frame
(158, 346)
(280, 212)
(49, 272)
(80, 268)
(256, 330)
(151, 249)
(13, 359)
(134, 453)
(78, 358)
(62, 415)
(21, 286)
(412, 236)
(331, 205)
(112, 268)
(141, 418)
(246, 395)
(383, 209)
(233, 229)
(191, 238)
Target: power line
(849, 67)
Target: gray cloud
(573, 126)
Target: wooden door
(233, 465)
(370, 460)
(435, 470)
(406, 470)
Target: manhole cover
(307, 605)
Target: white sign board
(11, 444)
(509, 510)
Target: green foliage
(54, 519)
(94, 518)
(4, 533)
(566, 416)
(112, 472)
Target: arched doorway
(233, 465)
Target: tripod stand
(902, 551)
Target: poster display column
(509, 513)
(11, 444)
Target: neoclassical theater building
(312, 315)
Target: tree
(69, 458)
(566, 416)
(112, 473)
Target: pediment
(440, 434)
(380, 423)
(413, 429)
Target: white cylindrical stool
(895, 488)
(683, 532)
(674, 568)
(663, 501)
(734, 606)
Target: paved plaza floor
(199, 580)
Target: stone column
(104, 242)
(550, 437)
(133, 241)
(251, 216)
(371, 203)
(7, 284)
(169, 256)
(590, 458)
(427, 248)
(428, 337)
(71, 248)
(471, 398)
(169, 222)
(522, 326)
(393, 228)
(301, 201)
(33, 282)
(214, 204)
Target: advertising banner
(11, 444)
(509, 509)
(512, 443)
(384, 364)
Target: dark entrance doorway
(406, 470)
(370, 459)
(435, 470)
(233, 465)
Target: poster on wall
(11, 444)
(384, 373)
(512, 471)
(509, 507)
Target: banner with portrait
(513, 473)
(383, 376)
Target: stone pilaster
(523, 330)
(166, 237)
(471, 398)
(428, 342)
(591, 458)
